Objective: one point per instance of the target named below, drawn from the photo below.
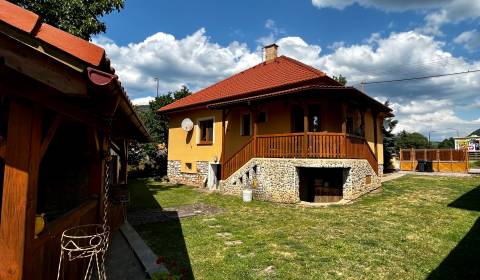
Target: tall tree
(407, 140)
(78, 17)
(151, 158)
(448, 143)
(341, 79)
(388, 139)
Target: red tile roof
(282, 73)
(29, 22)
(94, 56)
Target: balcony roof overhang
(351, 91)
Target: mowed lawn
(418, 227)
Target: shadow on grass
(468, 201)
(166, 238)
(462, 261)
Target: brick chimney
(270, 52)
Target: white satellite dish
(187, 124)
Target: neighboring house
(61, 108)
(287, 126)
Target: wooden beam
(124, 162)
(50, 134)
(15, 86)
(19, 187)
(41, 67)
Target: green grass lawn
(418, 227)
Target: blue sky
(197, 43)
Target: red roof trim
(18, 17)
(71, 44)
(29, 22)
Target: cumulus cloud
(142, 100)
(470, 40)
(420, 105)
(193, 60)
(438, 12)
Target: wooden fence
(442, 160)
(301, 145)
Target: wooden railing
(301, 145)
(238, 159)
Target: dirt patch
(146, 216)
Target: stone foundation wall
(278, 179)
(176, 176)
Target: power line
(420, 78)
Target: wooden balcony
(301, 145)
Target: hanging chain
(107, 182)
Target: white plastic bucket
(247, 195)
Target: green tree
(407, 140)
(448, 143)
(476, 132)
(78, 17)
(388, 139)
(151, 158)
(341, 79)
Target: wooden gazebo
(62, 112)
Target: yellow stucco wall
(183, 146)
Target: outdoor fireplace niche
(65, 171)
(321, 184)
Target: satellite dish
(386, 124)
(187, 124)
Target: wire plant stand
(89, 242)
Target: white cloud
(439, 12)
(142, 100)
(193, 60)
(469, 39)
(419, 105)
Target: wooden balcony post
(305, 130)
(255, 131)
(375, 136)
(344, 118)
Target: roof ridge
(229, 78)
(299, 63)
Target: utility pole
(156, 79)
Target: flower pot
(247, 195)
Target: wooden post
(375, 136)
(305, 130)
(438, 160)
(344, 118)
(467, 160)
(255, 130)
(22, 160)
(451, 160)
(412, 157)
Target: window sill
(205, 144)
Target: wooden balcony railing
(301, 145)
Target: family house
(284, 128)
(65, 121)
